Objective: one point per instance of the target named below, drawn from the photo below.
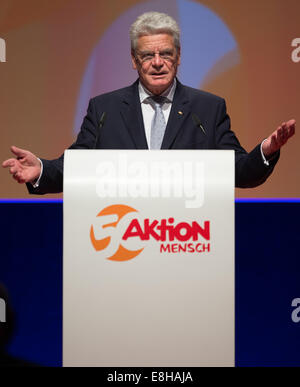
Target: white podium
(148, 258)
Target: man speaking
(156, 112)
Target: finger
(282, 133)
(288, 131)
(291, 122)
(291, 128)
(8, 163)
(292, 131)
(274, 141)
(18, 178)
(20, 153)
(13, 170)
(282, 136)
(281, 128)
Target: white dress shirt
(148, 110)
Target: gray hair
(151, 23)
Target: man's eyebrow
(145, 52)
(167, 50)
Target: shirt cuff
(266, 162)
(37, 182)
(273, 156)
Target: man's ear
(133, 60)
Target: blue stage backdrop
(267, 281)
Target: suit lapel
(179, 112)
(132, 115)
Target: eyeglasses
(147, 56)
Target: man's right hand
(25, 168)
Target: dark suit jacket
(124, 129)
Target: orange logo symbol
(122, 254)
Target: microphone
(101, 123)
(198, 122)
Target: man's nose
(157, 60)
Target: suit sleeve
(52, 178)
(250, 169)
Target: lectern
(148, 258)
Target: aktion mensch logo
(120, 234)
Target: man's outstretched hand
(278, 138)
(25, 168)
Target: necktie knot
(158, 99)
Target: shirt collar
(169, 93)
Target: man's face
(156, 60)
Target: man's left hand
(278, 138)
